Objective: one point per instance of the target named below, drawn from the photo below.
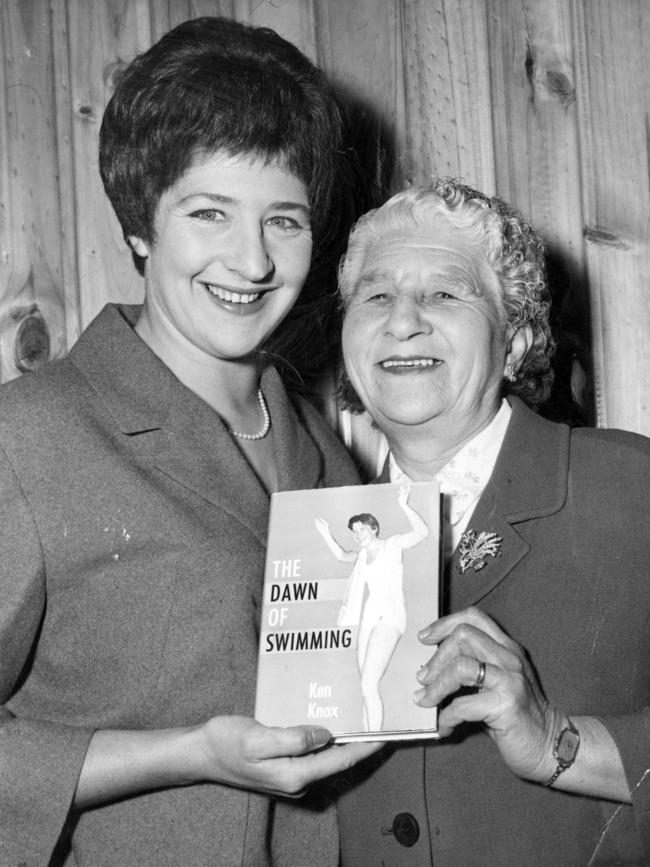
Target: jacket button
(406, 829)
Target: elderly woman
(542, 660)
(135, 479)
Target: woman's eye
(442, 295)
(286, 223)
(208, 215)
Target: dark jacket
(133, 539)
(572, 586)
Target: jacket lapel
(175, 431)
(198, 452)
(203, 456)
(529, 481)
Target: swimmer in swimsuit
(378, 566)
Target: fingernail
(419, 695)
(320, 737)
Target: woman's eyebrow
(218, 198)
(291, 206)
(371, 278)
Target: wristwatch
(565, 750)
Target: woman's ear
(138, 246)
(521, 340)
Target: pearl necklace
(267, 421)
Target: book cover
(351, 576)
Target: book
(351, 576)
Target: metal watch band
(561, 764)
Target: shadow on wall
(364, 172)
(572, 398)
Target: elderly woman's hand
(509, 701)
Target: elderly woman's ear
(520, 341)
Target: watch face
(567, 745)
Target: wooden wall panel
(32, 317)
(543, 101)
(362, 52)
(614, 44)
(66, 172)
(534, 107)
(448, 118)
(533, 101)
(104, 35)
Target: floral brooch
(475, 547)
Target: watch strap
(563, 764)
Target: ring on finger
(480, 677)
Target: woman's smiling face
(424, 335)
(232, 250)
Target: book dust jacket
(352, 575)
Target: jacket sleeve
(40, 759)
(631, 734)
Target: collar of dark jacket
(134, 384)
(145, 398)
(530, 475)
(529, 480)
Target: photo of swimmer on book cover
(352, 575)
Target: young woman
(135, 475)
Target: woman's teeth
(411, 362)
(232, 297)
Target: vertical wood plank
(534, 105)
(448, 120)
(104, 36)
(66, 176)
(32, 314)
(534, 111)
(362, 53)
(614, 42)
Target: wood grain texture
(534, 103)
(614, 41)
(533, 100)
(31, 260)
(542, 101)
(104, 35)
(448, 119)
(66, 172)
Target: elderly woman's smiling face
(425, 339)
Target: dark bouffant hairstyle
(214, 84)
(513, 249)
